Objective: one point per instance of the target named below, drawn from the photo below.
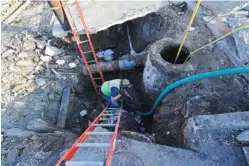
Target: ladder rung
(91, 61)
(94, 145)
(97, 78)
(105, 119)
(82, 163)
(87, 52)
(112, 108)
(105, 125)
(83, 41)
(99, 133)
(107, 114)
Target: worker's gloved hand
(122, 92)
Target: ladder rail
(70, 153)
(71, 22)
(114, 139)
(89, 38)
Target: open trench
(158, 34)
(132, 37)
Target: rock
(41, 126)
(40, 63)
(10, 58)
(40, 81)
(32, 86)
(16, 132)
(191, 29)
(51, 96)
(31, 76)
(56, 57)
(25, 63)
(36, 59)
(40, 45)
(5, 80)
(27, 70)
(7, 53)
(23, 54)
(72, 65)
(18, 87)
(23, 80)
(243, 137)
(223, 19)
(77, 61)
(47, 72)
(51, 51)
(38, 68)
(45, 58)
(12, 156)
(29, 45)
(60, 62)
(83, 113)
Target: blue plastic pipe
(192, 79)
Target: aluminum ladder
(98, 79)
(108, 118)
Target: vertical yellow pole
(189, 25)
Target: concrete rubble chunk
(45, 58)
(29, 45)
(40, 81)
(7, 53)
(12, 157)
(40, 45)
(243, 137)
(40, 126)
(25, 63)
(60, 61)
(51, 51)
(72, 65)
(16, 132)
(22, 55)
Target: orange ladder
(76, 35)
(108, 118)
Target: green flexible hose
(192, 79)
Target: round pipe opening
(168, 53)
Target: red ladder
(75, 32)
(103, 120)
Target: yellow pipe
(188, 28)
(212, 42)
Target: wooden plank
(63, 109)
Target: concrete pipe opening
(168, 53)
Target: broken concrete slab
(40, 126)
(111, 13)
(16, 132)
(213, 136)
(132, 152)
(243, 137)
(241, 37)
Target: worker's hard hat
(125, 83)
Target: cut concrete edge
(225, 120)
(243, 137)
(246, 153)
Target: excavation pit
(169, 52)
